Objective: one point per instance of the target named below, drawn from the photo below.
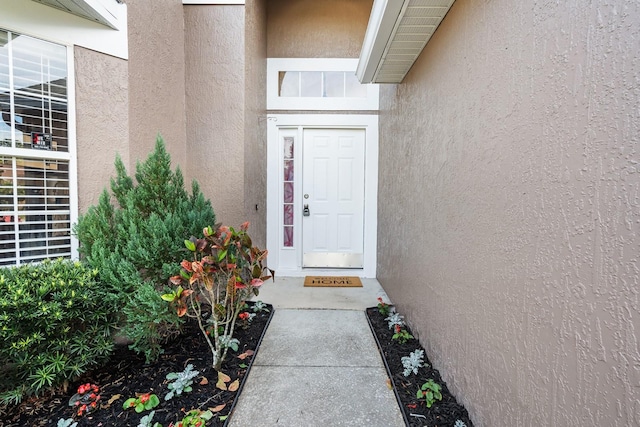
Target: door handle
(305, 211)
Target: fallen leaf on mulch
(222, 380)
(218, 408)
(245, 354)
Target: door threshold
(330, 272)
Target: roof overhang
(397, 32)
(101, 11)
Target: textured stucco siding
(102, 122)
(316, 29)
(215, 103)
(156, 78)
(255, 126)
(509, 214)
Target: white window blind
(35, 208)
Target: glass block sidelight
(288, 192)
(288, 183)
(288, 237)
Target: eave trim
(397, 32)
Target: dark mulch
(444, 413)
(126, 374)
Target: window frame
(276, 102)
(69, 156)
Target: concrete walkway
(318, 364)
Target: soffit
(397, 33)
(100, 11)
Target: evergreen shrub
(134, 236)
(56, 322)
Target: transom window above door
(320, 84)
(317, 84)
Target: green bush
(138, 238)
(150, 321)
(55, 323)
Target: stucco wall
(255, 129)
(215, 105)
(316, 29)
(102, 103)
(156, 78)
(509, 211)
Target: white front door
(333, 159)
(333, 190)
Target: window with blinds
(35, 208)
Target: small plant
(86, 399)
(142, 402)
(413, 362)
(430, 392)
(259, 306)
(226, 342)
(67, 423)
(195, 418)
(401, 335)
(460, 423)
(182, 383)
(147, 419)
(245, 319)
(383, 307)
(395, 319)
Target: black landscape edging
(443, 413)
(246, 375)
(389, 375)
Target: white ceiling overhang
(101, 11)
(398, 30)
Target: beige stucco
(255, 125)
(156, 78)
(509, 211)
(215, 106)
(316, 29)
(509, 220)
(189, 78)
(102, 121)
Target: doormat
(332, 282)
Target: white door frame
(294, 124)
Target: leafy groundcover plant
(402, 360)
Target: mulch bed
(442, 413)
(126, 374)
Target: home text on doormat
(333, 282)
